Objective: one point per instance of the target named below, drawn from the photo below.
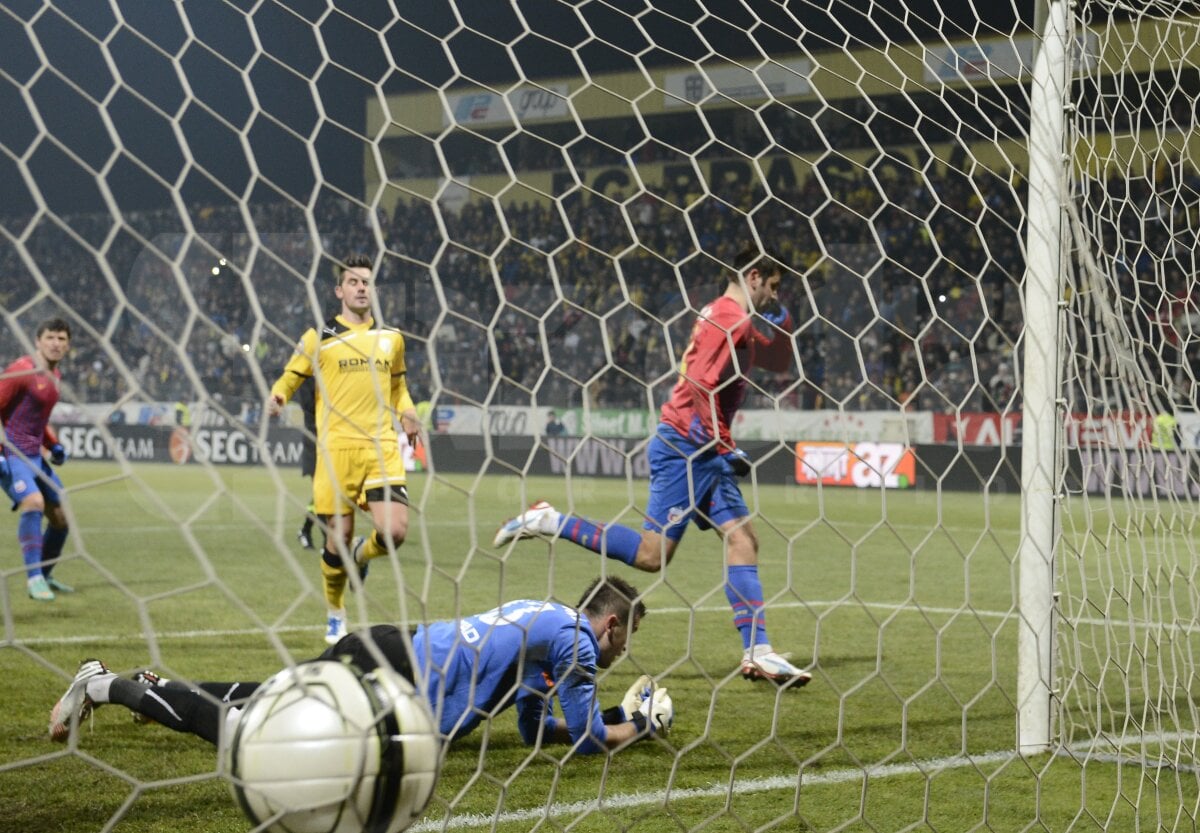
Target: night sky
(127, 91)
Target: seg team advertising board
(213, 444)
(221, 445)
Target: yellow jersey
(360, 381)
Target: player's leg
(305, 535)
(198, 711)
(669, 510)
(23, 488)
(743, 588)
(55, 534)
(386, 488)
(308, 466)
(201, 710)
(335, 506)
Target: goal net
(1127, 563)
(973, 485)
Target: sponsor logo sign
(861, 465)
(528, 102)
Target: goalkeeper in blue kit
(526, 653)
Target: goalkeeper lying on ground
(524, 653)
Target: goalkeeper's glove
(656, 713)
(5, 471)
(637, 693)
(738, 462)
(777, 314)
(58, 454)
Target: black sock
(179, 707)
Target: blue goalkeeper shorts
(688, 484)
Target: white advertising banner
(1188, 428)
(914, 428)
(781, 426)
(784, 79)
(997, 60)
(970, 61)
(528, 103)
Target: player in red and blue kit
(28, 393)
(695, 464)
(525, 653)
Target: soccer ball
(324, 748)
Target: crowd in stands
(903, 285)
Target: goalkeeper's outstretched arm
(645, 711)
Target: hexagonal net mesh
(1128, 553)
(552, 195)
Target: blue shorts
(27, 475)
(710, 497)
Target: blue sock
(616, 541)
(52, 546)
(29, 534)
(744, 591)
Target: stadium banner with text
(1137, 473)
(1095, 469)
(863, 465)
(832, 426)
(220, 445)
(784, 79)
(528, 102)
(1117, 430)
(999, 61)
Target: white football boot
(75, 706)
(541, 520)
(762, 663)
(335, 627)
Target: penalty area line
(625, 801)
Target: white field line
(924, 768)
(657, 611)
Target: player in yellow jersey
(358, 367)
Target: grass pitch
(904, 602)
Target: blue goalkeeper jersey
(524, 653)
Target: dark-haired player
(357, 367)
(695, 464)
(525, 653)
(28, 393)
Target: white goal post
(1042, 416)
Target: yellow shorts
(344, 476)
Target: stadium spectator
(554, 425)
(695, 463)
(360, 391)
(28, 393)
(468, 670)
(931, 230)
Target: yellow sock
(371, 548)
(335, 585)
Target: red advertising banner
(859, 465)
